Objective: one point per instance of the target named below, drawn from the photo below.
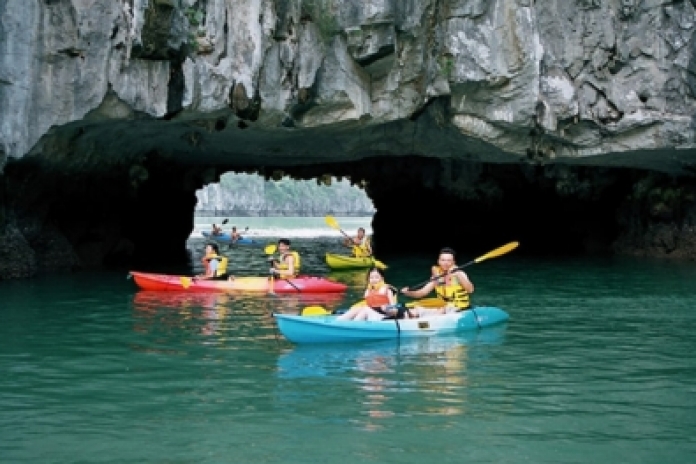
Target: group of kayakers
(235, 236)
(451, 284)
(287, 265)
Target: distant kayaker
(380, 300)
(216, 230)
(451, 285)
(289, 263)
(360, 244)
(234, 235)
(214, 264)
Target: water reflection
(356, 279)
(170, 318)
(424, 376)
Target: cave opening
(141, 212)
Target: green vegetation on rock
(323, 14)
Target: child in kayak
(380, 300)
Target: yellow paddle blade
(426, 303)
(185, 282)
(331, 222)
(380, 265)
(498, 251)
(270, 249)
(314, 311)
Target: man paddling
(360, 244)
(449, 282)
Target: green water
(595, 365)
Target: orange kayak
(300, 284)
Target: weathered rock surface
(124, 108)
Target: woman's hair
(284, 241)
(214, 246)
(370, 271)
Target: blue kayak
(327, 329)
(227, 239)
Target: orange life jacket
(374, 298)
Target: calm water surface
(596, 365)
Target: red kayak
(300, 284)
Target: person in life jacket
(380, 300)
(215, 265)
(234, 235)
(360, 244)
(450, 284)
(288, 265)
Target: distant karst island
(245, 195)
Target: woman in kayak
(360, 244)
(380, 300)
(289, 264)
(214, 264)
(450, 283)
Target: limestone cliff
(250, 195)
(123, 108)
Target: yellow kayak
(335, 261)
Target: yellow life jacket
(283, 266)
(363, 249)
(222, 264)
(451, 292)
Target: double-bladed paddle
(491, 254)
(333, 223)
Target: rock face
(124, 108)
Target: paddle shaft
(451, 271)
(491, 254)
(271, 284)
(290, 283)
(331, 222)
